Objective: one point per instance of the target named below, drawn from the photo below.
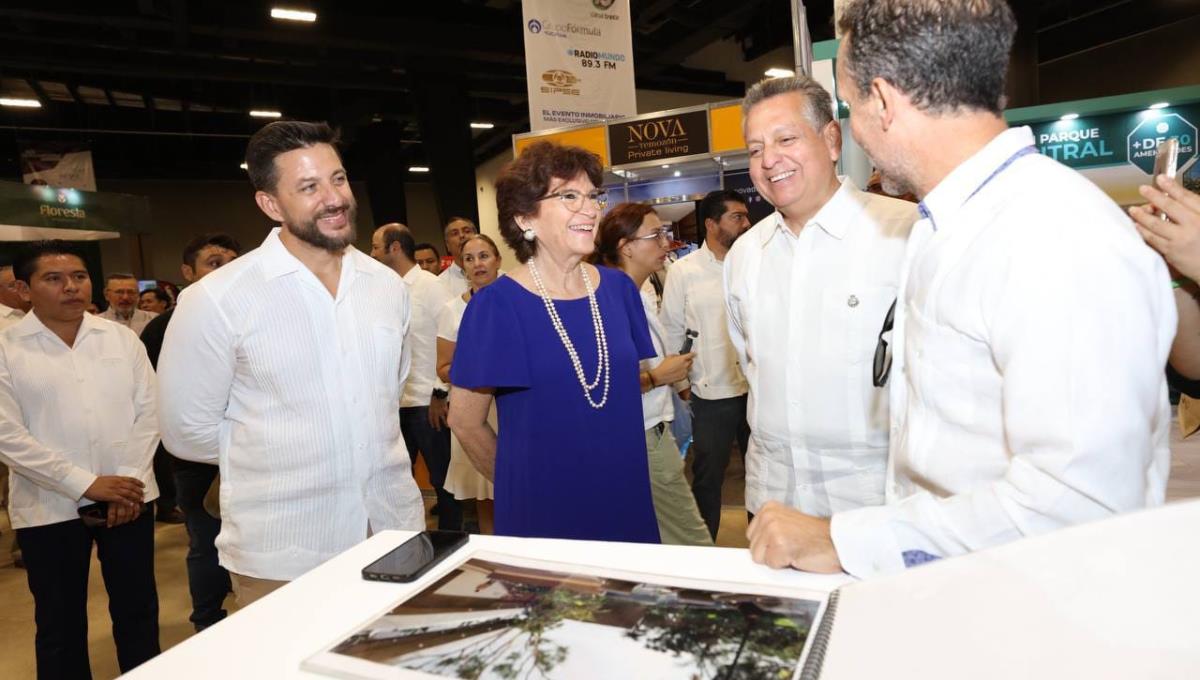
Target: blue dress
(563, 468)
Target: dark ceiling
(162, 88)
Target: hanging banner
(578, 61)
(659, 138)
(58, 164)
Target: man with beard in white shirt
(807, 290)
(285, 367)
(121, 292)
(1032, 325)
(423, 406)
(693, 299)
(456, 232)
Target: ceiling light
(244, 166)
(779, 73)
(483, 126)
(666, 166)
(1159, 105)
(265, 114)
(293, 14)
(678, 173)
(418, 168)
(23, 103)
(1069, 116)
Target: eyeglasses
(573, 200)
(883, 360)
(663, 234)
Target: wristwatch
(439, 393)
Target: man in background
(208, 581)
(423, 404)
(428, 258)
(121, 292)
(693, 299)
(78, 429)
(456, 232)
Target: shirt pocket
(387, 346)
(851, 319)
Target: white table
(270, 638)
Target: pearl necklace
(602, 363)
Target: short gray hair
(818, 104)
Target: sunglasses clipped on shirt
(883, 359)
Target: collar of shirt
(7, 312)
(953, 191)
(30, 324)
(838, 213)
(278, 261)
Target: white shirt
(694, 297)
(657, 406)
(1027, 387)
(9, 316)
(428, 297)
(293, 393)
(70, 414)
(454, 279)
(136, 321)
(805, 314)
(450, 318)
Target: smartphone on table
(414, 557)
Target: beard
(310, 233)
(726, 239)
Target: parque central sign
(1118, 138)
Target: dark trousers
(716, 423)
(208, 581)
(57, 558)
(164, 474)
(434, 445)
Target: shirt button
(852, 301)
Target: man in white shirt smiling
(423, 405)
(1032, 326)
(285, 367)
(77, 427)
(807, 290)
(693, 299)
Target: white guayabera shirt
(294, 394)
(70, 414)
(1028, 390)
(694, 298)
(428, 297)
(804, 315)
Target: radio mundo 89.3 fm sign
(1145, 138)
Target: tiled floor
(16, 610)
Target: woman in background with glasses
(556, 344)
(633, 239)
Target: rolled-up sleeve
(195, 375)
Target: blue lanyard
(1025, 151)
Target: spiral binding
(820, 640)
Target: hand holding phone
(412, 558)
(1166, 163)
(688, 336)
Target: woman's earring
(528, 234)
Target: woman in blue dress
(556, 343)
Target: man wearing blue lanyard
(1031, 327)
